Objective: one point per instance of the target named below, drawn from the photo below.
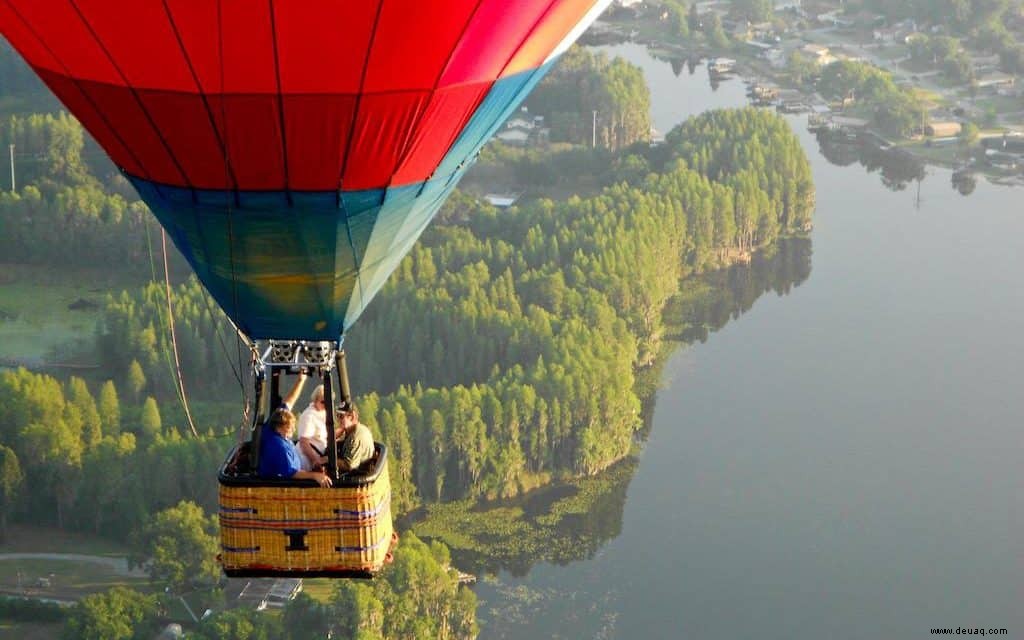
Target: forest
(528, 312)
(527, 335)
(585, 85)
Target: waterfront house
(849, 125)
(721, 65)
(942, 129)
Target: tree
(752, 10)
(136, 380)
(964, 182)
(245, 624)
(679, 25)
(801, 68)
(715, 32)
(11, 479)
(150, 424)
(969, 133)
(180, 545)
(105, 478)
(693, 18)
(117, 614)
(420, 595)
(307, 619)
(109, 409)
(53, 462)
(79, 397)
(581, 84)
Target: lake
(841, 461)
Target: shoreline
(755, 72)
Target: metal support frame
(280, 357)
(332, 449)
(343, 387)
(258, 418)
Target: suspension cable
(174, 340)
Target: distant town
(941, 87)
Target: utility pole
(593, 130)
(14, 187)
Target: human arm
(321, 478)
(308, 450)
(293, 395)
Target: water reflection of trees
(677, 64)
(896, 167)
(729, 293)
(571, 521)
(964, 182)
(559, 523)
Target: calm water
(839, 462)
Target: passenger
(278, 456)
(312, 430)
(357, 447)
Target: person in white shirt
(312, 430)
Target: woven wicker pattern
(306, 529)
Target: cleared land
(35, 318)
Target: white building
(501, 200)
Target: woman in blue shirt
(278, 456)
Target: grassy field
(29, 631)
(34, 316)
(26, 539)
(318, 588)
(70, 579)
(62, 579)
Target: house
(985, 64)
(721, 65)
(1009, 143)
(764, 31)
(501, 200)
(835, 19)
(515, 137)
(887, 34)
(767, 51)
(995, 80)
(942, 129)
(519, 122)
(740, 31)
(849, 125)
(521, 129)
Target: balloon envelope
(294, 150)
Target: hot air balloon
(294, 150)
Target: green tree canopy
(179, 546)
(150, 424)
(11, 479)
(109, 408)
(420, 594)
(117, 614)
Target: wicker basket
(297, 528)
